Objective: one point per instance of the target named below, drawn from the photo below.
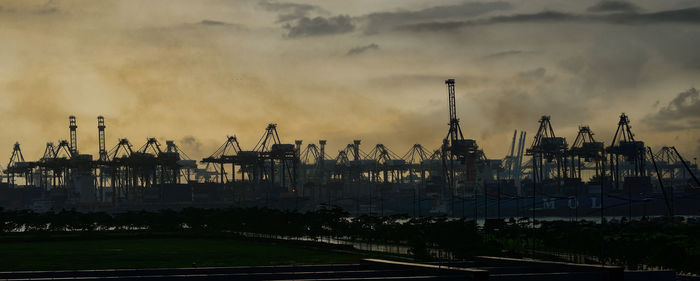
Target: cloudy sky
(197, 71)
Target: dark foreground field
(214, 237)
(160, 253)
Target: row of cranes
(116, 174)
(379, 165)
(620, 170)
(124, 172)
(124, 167)
(315, 166)
(271, 162)
(554, 165)
(623, 165)
(458, 167)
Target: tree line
(631, 243)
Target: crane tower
(459, 155)
(73, 135)
(101, 138)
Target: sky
(198, 71)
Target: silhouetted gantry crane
(54, 165)
(73, 126)
(227, 153)
(630, 152)
(355, 167)
(278, 160)
(102, 170)
(122, 170)
(418, 163)
(270, 161)
(459, 155)
(387, 165)
(103, 157)
(585, 148)
(673, 169)
(668, 163)
(341, 172)
(315, 166)
(547, 149)
(310, 155)
(17, 166)
(133, 175)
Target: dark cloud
(613, 6)
(388, 20)
(212, 22)
(320, 26)
(434, 26)
(504, 55)
(290, 11)
(361, 49)
(689, 15)
(536, 73)
(681, 113)
(31, 7)
(49, 7)
(191, 146)
(221, 24)
(544, 16)
(298, 22)
(499, 55)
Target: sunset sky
(197, 71)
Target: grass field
(159, 253)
